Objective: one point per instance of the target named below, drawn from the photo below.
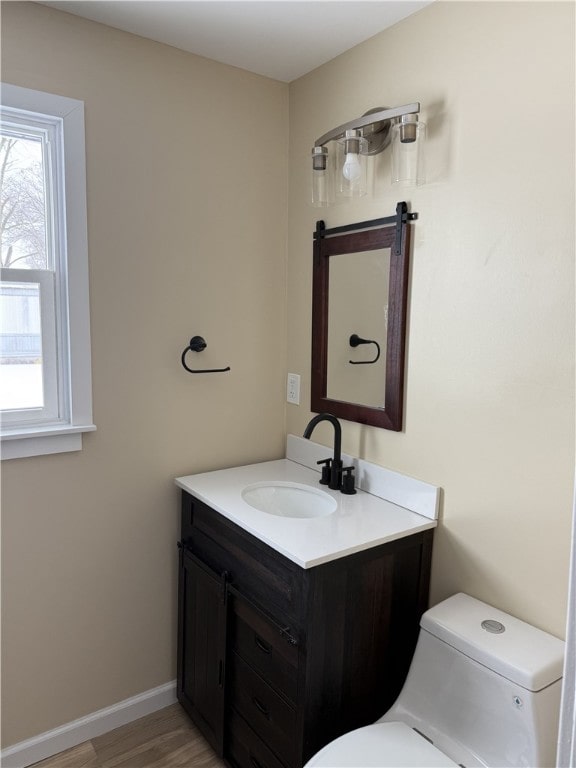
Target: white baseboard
(52, 742)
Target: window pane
(23, 230)
(20, 346)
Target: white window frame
(65, 301)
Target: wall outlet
(293, 388)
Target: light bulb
(351, 162)
(351, 169)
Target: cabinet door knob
(263, 646)
(260, 707)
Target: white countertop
(360, 521)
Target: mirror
(360, 289)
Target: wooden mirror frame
(392, 232)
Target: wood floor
(164, 739)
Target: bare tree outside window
(23, 204)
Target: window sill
(22, 442)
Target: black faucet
(332, 472)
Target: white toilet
(483, 690)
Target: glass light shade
(351, 165)
(322, 178)
(408, 158)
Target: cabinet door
(201, 646)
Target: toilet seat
(381, 745)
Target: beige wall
(490, 367)
(186, 168)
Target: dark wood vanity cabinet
(202, 646)
(274, 660)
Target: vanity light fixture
(344, 175)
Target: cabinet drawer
(252, 566)
(244, 749)
(273, 719)
(263, 644)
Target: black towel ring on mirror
(355, 341)
(197, 344)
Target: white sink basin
(286, 499)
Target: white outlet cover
(293, 388)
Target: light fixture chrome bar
(366, 120)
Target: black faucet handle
(347, 486)
(326, 471)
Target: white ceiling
(282, 39)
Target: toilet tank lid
(523, 654)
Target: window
(45, 375)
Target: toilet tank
(483, 686)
